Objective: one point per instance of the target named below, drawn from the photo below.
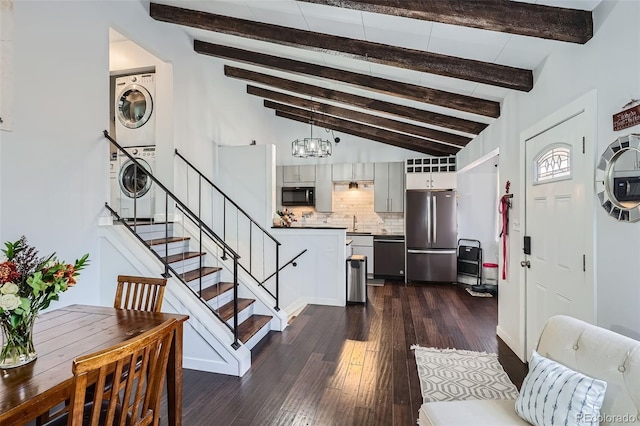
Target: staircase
(199, 272)
(226, 280)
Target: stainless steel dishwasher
(388, 250)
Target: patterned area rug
(477, 293)
(452, 375)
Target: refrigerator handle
(429, 218)
(435, 216)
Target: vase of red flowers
(28, 284)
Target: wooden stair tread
(183, 256)
(251, 326)
(215, 290)
(159, 241)
(226, 311)
(195, 274)
(148, 222)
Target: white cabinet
(352, 172)
(388, 186)
(299, 174)
(443, 180)
(431, 173)
(324, 188)
(363, 244)
(431, 181)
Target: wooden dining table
(64, 334)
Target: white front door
(558, 223)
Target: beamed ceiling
(427, 76)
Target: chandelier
(311, 147)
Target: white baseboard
(512, 343)
(296, 307)
(212, 366)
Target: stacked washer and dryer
(135, 132)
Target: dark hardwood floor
(349, 366)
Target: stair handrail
(226, 197)
(183, 207)
(252, 221)
(161, 259)
(202, 227)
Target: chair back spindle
(140, 293)
(135, 399)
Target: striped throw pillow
(553, 394)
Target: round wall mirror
(621, 166)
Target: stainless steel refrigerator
(431, 235)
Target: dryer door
(135, 181)
(134, 106)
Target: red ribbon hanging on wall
(503, 209)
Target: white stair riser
(158, 231)
(207, 281)
(243, 315)
(150, 232)
(258, 336)
(187, 265)
(221, 300)
(174, 248)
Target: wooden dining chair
(134, 400)
(140, 293)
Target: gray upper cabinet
(363, 171)
(352, 172)
(342, 172)
(324, 188)
(388, 187)
(299, 174)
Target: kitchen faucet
(355, 223)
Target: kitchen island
(319, 275)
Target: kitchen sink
(358, 233)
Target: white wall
(478, 208)
(53, 168)
(609, 63)
(247, 174)
(351, 149)
(319, 277)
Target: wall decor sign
(627, 118)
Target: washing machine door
(135, 181)
(134, 106)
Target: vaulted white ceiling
(470, 43)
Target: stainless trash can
(357, 279)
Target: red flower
(8, 272)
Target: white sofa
(591, 350)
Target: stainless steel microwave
(298, 196)
(627, 188)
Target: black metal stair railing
(254, 250)
(170, 200)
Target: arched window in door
(553, 164)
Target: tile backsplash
(350, 203)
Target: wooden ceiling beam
(535, 20)
(401, 57)
(347, 127)
(349, 114)
(390, 87)
(362, 130)
(427, 117)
